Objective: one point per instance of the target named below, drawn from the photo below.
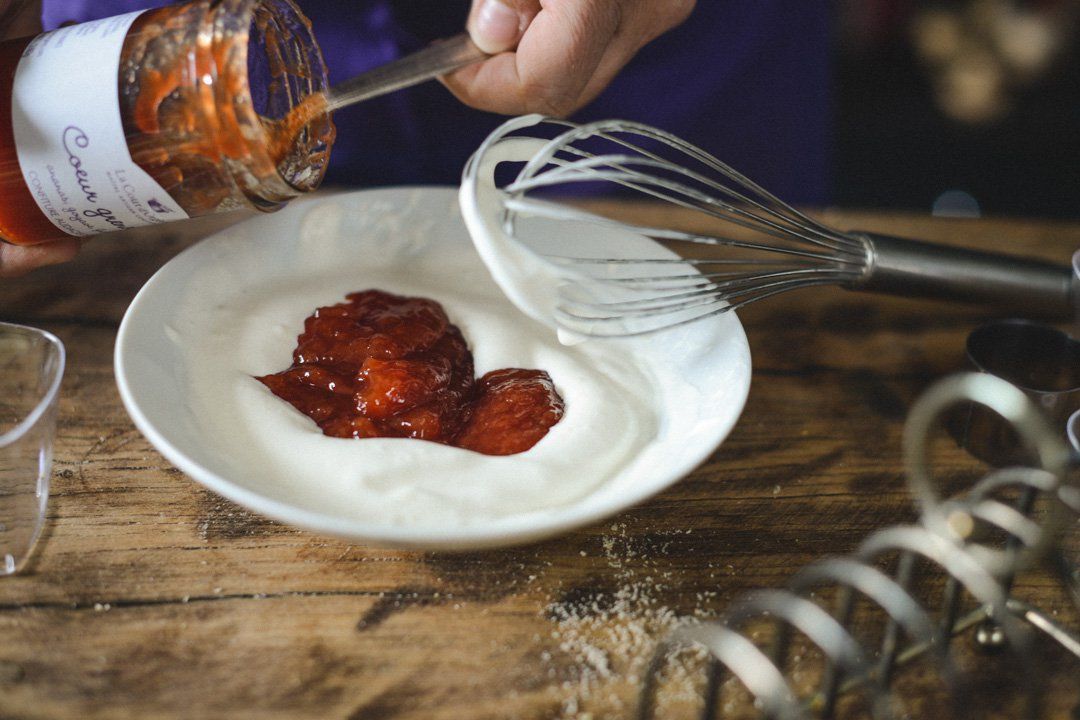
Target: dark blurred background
(959, 108)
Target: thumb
(497, 25)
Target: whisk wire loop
(698, 309)
(557, 211)
(680, 301)
(745, 224)
(615, 132)
(775, 219)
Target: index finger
(554, 62)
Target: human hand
(19, 18)
(554, 56)
(21, 259)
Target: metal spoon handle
(438, 59)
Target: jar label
(65, 114)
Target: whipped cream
(610, 400)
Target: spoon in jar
(437, 59)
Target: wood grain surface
(150, 597)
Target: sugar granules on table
(609, 637)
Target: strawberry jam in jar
(157, 116)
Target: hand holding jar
(191, 148)
(155, 116)
(18, 18)
(554, 57)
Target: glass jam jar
(159, 115)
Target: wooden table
(150, 597)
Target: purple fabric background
(747, 80)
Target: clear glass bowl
(31, 366)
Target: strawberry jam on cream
(384, 365)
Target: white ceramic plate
(230, 307)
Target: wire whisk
(594, 275)
(978, 542)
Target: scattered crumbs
(185, 599)
(219, 517)
(217, 591)
(606, 640)
(102, 607)
(776, 490)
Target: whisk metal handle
(899, 266)
(438, 59)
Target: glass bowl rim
(50, 394)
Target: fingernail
(496, 28)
